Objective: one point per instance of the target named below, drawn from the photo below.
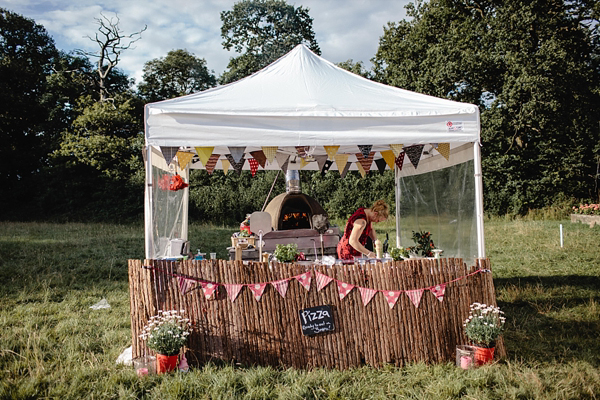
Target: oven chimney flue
(292, 181)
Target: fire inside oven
(295, 220)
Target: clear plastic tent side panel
(441, 202)
(169, 214)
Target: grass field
(52, 345)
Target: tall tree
(177, 74)
(27, 54)
(262, 31)
(532, 66)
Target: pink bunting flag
(253, 165)
(185, 284)
(322, 280)
(233, 290)
(208, 288)
(439, 291)
(304, 279)
(366, 294)
(281, 286)
(391, 297)
(415, 296)
(257, 289)
(344, 288)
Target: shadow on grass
(554, 318)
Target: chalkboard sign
(316, 320)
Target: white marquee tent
(304, 100)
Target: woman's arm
(357, 230)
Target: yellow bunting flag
(184, 157)
(331, 151)
(444, 149)
(270, 152)
(389, 157)
(361, 169)
(204, 153)
(303, 162)
(396, 148)
(340, 161)
(226, 165)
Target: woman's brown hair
(381, 208)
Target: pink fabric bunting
(208, 288)
(415, 296)
(344, 288)
(366, 294)
(391, 297)
(233, 290)
(281, 286)
(304, 279)
(257, 289)
(322, 280)
(439, 291)
(185, 284)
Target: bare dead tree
(112, 43)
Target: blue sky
(345, 29)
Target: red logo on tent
(449, 124)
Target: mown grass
(52, 345)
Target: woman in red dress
(358, 229)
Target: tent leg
(479, 199)
(148, 207)
(397, 198)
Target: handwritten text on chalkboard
(316, 320)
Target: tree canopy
(262, 31)
(532, 67)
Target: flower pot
(166, 363)
(484, 355)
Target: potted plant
(483, 327)
(423, 244)
(286, 252)
(398, 253)
(166, 333)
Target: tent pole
(479, 199)
(186, 205)
(148, 206)
(397, 198)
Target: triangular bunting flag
(303, 162)
(414, 154)
(168, 153)
(212, 162)
(326, 167)
(380, 165)
(365, 150)
(415, 296)
(321, 160)
(346, 169)
(184, 158)
(361, 169)
(237, 166)
(269, 152)
(281, 286)
(304, 279)
(331, 151)
(400, 160)
(396, 148)
(322, 280)
(365, 161)
(237, 153)
(257, 289)
(391, 297)
(366, 294)
(208, 288)
(260, 157)
(253, 165)
(233, 290)
(444, 149)
(341, 160)
(282, 160)
(344, 288)
(185, 284)
(204, 154)
(389, 158)
(439, 291)
(226, 165)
